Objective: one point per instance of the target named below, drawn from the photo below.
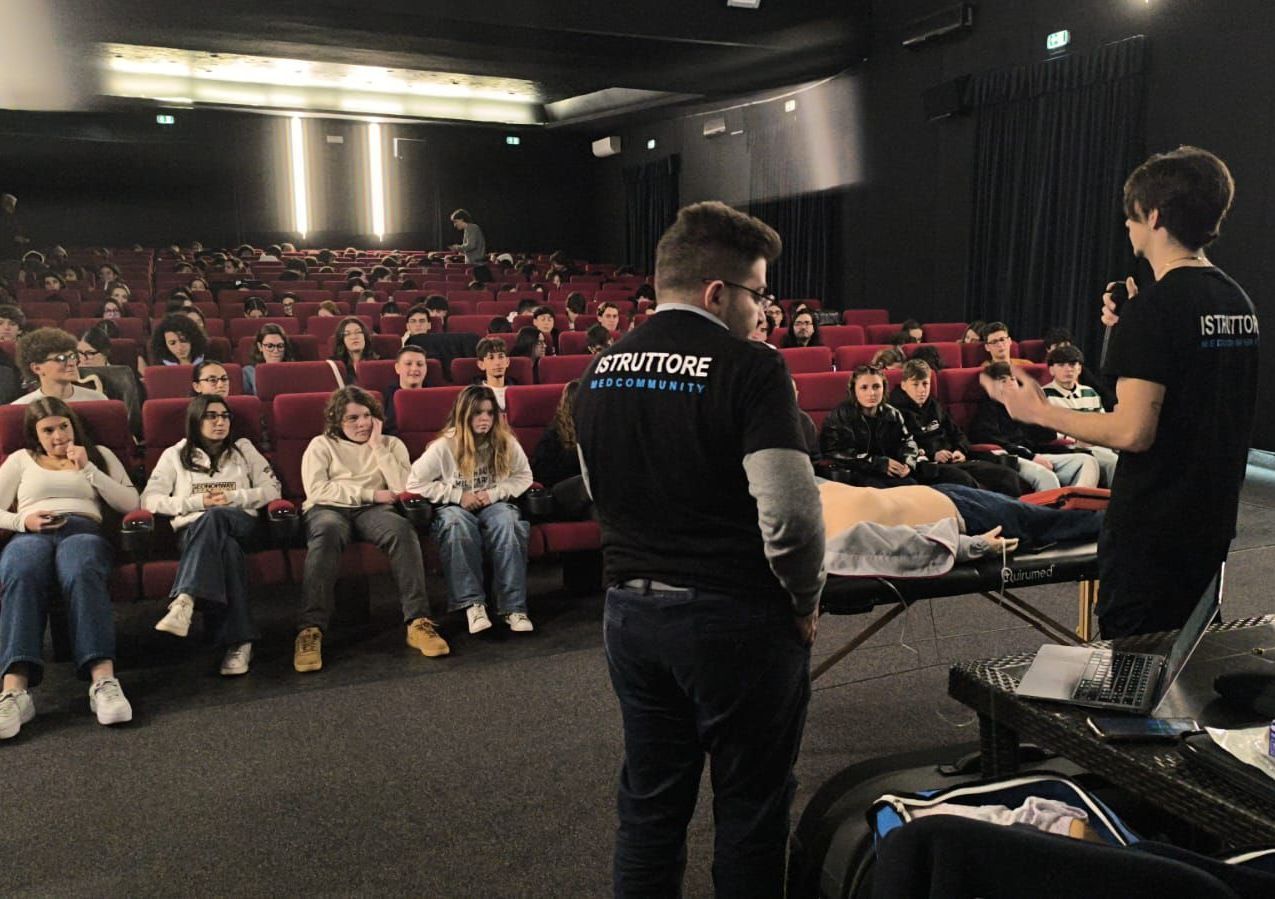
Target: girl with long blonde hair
(473, 471)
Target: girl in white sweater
(473, 471)
(58, 485)
(212, 486)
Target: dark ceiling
(682, 49)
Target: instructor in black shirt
(713, 545)
(1185, 354)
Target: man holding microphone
(1185, 353)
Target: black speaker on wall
(946, 99)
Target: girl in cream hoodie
(212, 486)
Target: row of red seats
(951, 355)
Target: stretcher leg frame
(1024, 610)
(1088, 600)
(859, 639)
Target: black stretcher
(986, 577)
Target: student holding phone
(59, 483)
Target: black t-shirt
(1195, 332)
(665, 417)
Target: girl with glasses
(52, 358)
(351, 344)
(209, 379)
(211, 485)
(272, 345)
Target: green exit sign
(1058, 40)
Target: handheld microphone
(1119, 295)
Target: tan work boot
(308, 655)
(422, 635)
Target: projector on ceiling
(607, 146)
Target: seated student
(529, 343)
(272, 345)
(418, 322)
(542, 320)
(58, 486)
(999, 346)
(499, 325)
(493, 364)
(209, 378)
(53, 282)
(945, 453)
(803, 331)
(94, 346)
(438, 310)
(475, 468)
(555, 462)
(901, 339)
(774, 316)
(1056, 337)
(576, 305)
(1044, 471)
(110, 311)
(1066, 363)
(255, 307)
(525, 307)
(352, 475)
(597, 339)
(809, 431)
(929, 354)
(921, 531)
(52, 356)
(974, 332)
(177, 341)
(211, 485)
(13, 322)
(866, 438)
(912, 328)
(289, 303)
(609, 316)
(351, 344)
(888, 358)
(328, 309)
(411, 365)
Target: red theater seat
(819, 393)
(563, 368)
(880, 333)
(790, 305)
(164, 423)
(807, 359)
(132, 328)
(865, 317)
(54, 311)
(305, 311)
(378, 374)
(472, 324)
(850, 357)
(949, 353)
(421, 414)
(277, 378)
(323, 327)
(940, 332)
(529, 410)
(238, 328)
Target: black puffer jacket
(858, 442)
(930, 425)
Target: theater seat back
(378, 374)
(106, 421)
(278, 378)
(820, 392)
(164, 381)
(865, 317)
(801, 360)
(421, 414)
(530, 410)
(298, 419)
(561, 369)
(164, 423)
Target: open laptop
(1109, 679)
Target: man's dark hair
(576, 302)
(461, 215)
(992, 328)
(1063, 354)
(499, 325)
(929, 355)
(409, 348)
(542, 310)
(1192, 190)
(998, 370)
(1055, 336)
(902, 338)
(436, 302)
(910, 325)
(711, 240)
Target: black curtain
(650, 206)
(1054, 144)
(779, 173)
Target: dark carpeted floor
(490, 772)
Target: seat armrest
(284, 520)
(416, 509)
(137, 531)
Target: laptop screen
(1187, 639)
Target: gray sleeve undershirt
(790, 516)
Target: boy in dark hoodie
(946, 452)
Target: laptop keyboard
(1117, 678)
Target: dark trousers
(700, 673)
(329, 530)
(945, 857)
(213, 570)
(983, 510)
(973, 473)
(1146, 589)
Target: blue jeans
(983, 510)
(702, 673)
(212, 569)
(464, 538)
(75, 560)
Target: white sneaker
(519, 622)
(177, 621)
(236, 660)
(16, 709)
(106, 698)
(478, 620)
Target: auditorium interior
(940, 161)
